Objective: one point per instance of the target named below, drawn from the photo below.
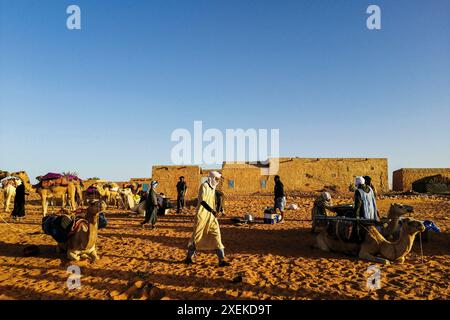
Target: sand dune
(268, 261)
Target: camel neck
(92, 230)
(404, 244)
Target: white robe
(206, 234)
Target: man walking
(151, 213)
(206, 234)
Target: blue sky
(104, 100)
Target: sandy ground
(278, 261)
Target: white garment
(370, 205)
(211, 179)
(359, 181)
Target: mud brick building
(302, 174)
(403, 179)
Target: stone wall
(168, 176)
(306, 174)
(402, 179)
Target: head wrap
(359, 181)
(154, 184)
(211, 179)
(326, 196)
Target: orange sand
(277, 261)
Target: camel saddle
(56, 179)
(61, 227)
(346, 231)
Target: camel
(103, 192)
(140, 208)
(53, 192)
(374, 243)
(115, 198)
(9, 192)
(81, 243)
(392, 230)
(127, 198)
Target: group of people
(365, 204)
(206, 232)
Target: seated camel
(81, 241)
(391, 229)
(391, 223)
(140, 208)
(374, 243)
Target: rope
(421, 248)
(14, 228)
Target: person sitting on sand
(365, 203)
(206, 234)
(280, 196)
(321, 205)
(151, 213)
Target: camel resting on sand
(375, 244)
(81, 244)
(392, 230)
(140, 208)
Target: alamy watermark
(213, 147)
(74, 279)
(73, 21)
(373, 281)
(373, 22)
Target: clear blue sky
(104, 100)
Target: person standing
(365, 203)
(280, 196)
(181, 193)
(206, 234)
(368, 182)
(19, 202)
(151, 212)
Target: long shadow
(30, 294)
(438, 244)
(282, 242)
(15, 250)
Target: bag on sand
(102, 221)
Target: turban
(326, 196)
(211, 179)
(359, 181)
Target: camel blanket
(206, 234)
(13, 181)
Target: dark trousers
(151, 215)
(180, 202)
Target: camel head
(94, 209)
(413, 226)
(397, 210)
(22, 175)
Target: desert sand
(276, 261)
